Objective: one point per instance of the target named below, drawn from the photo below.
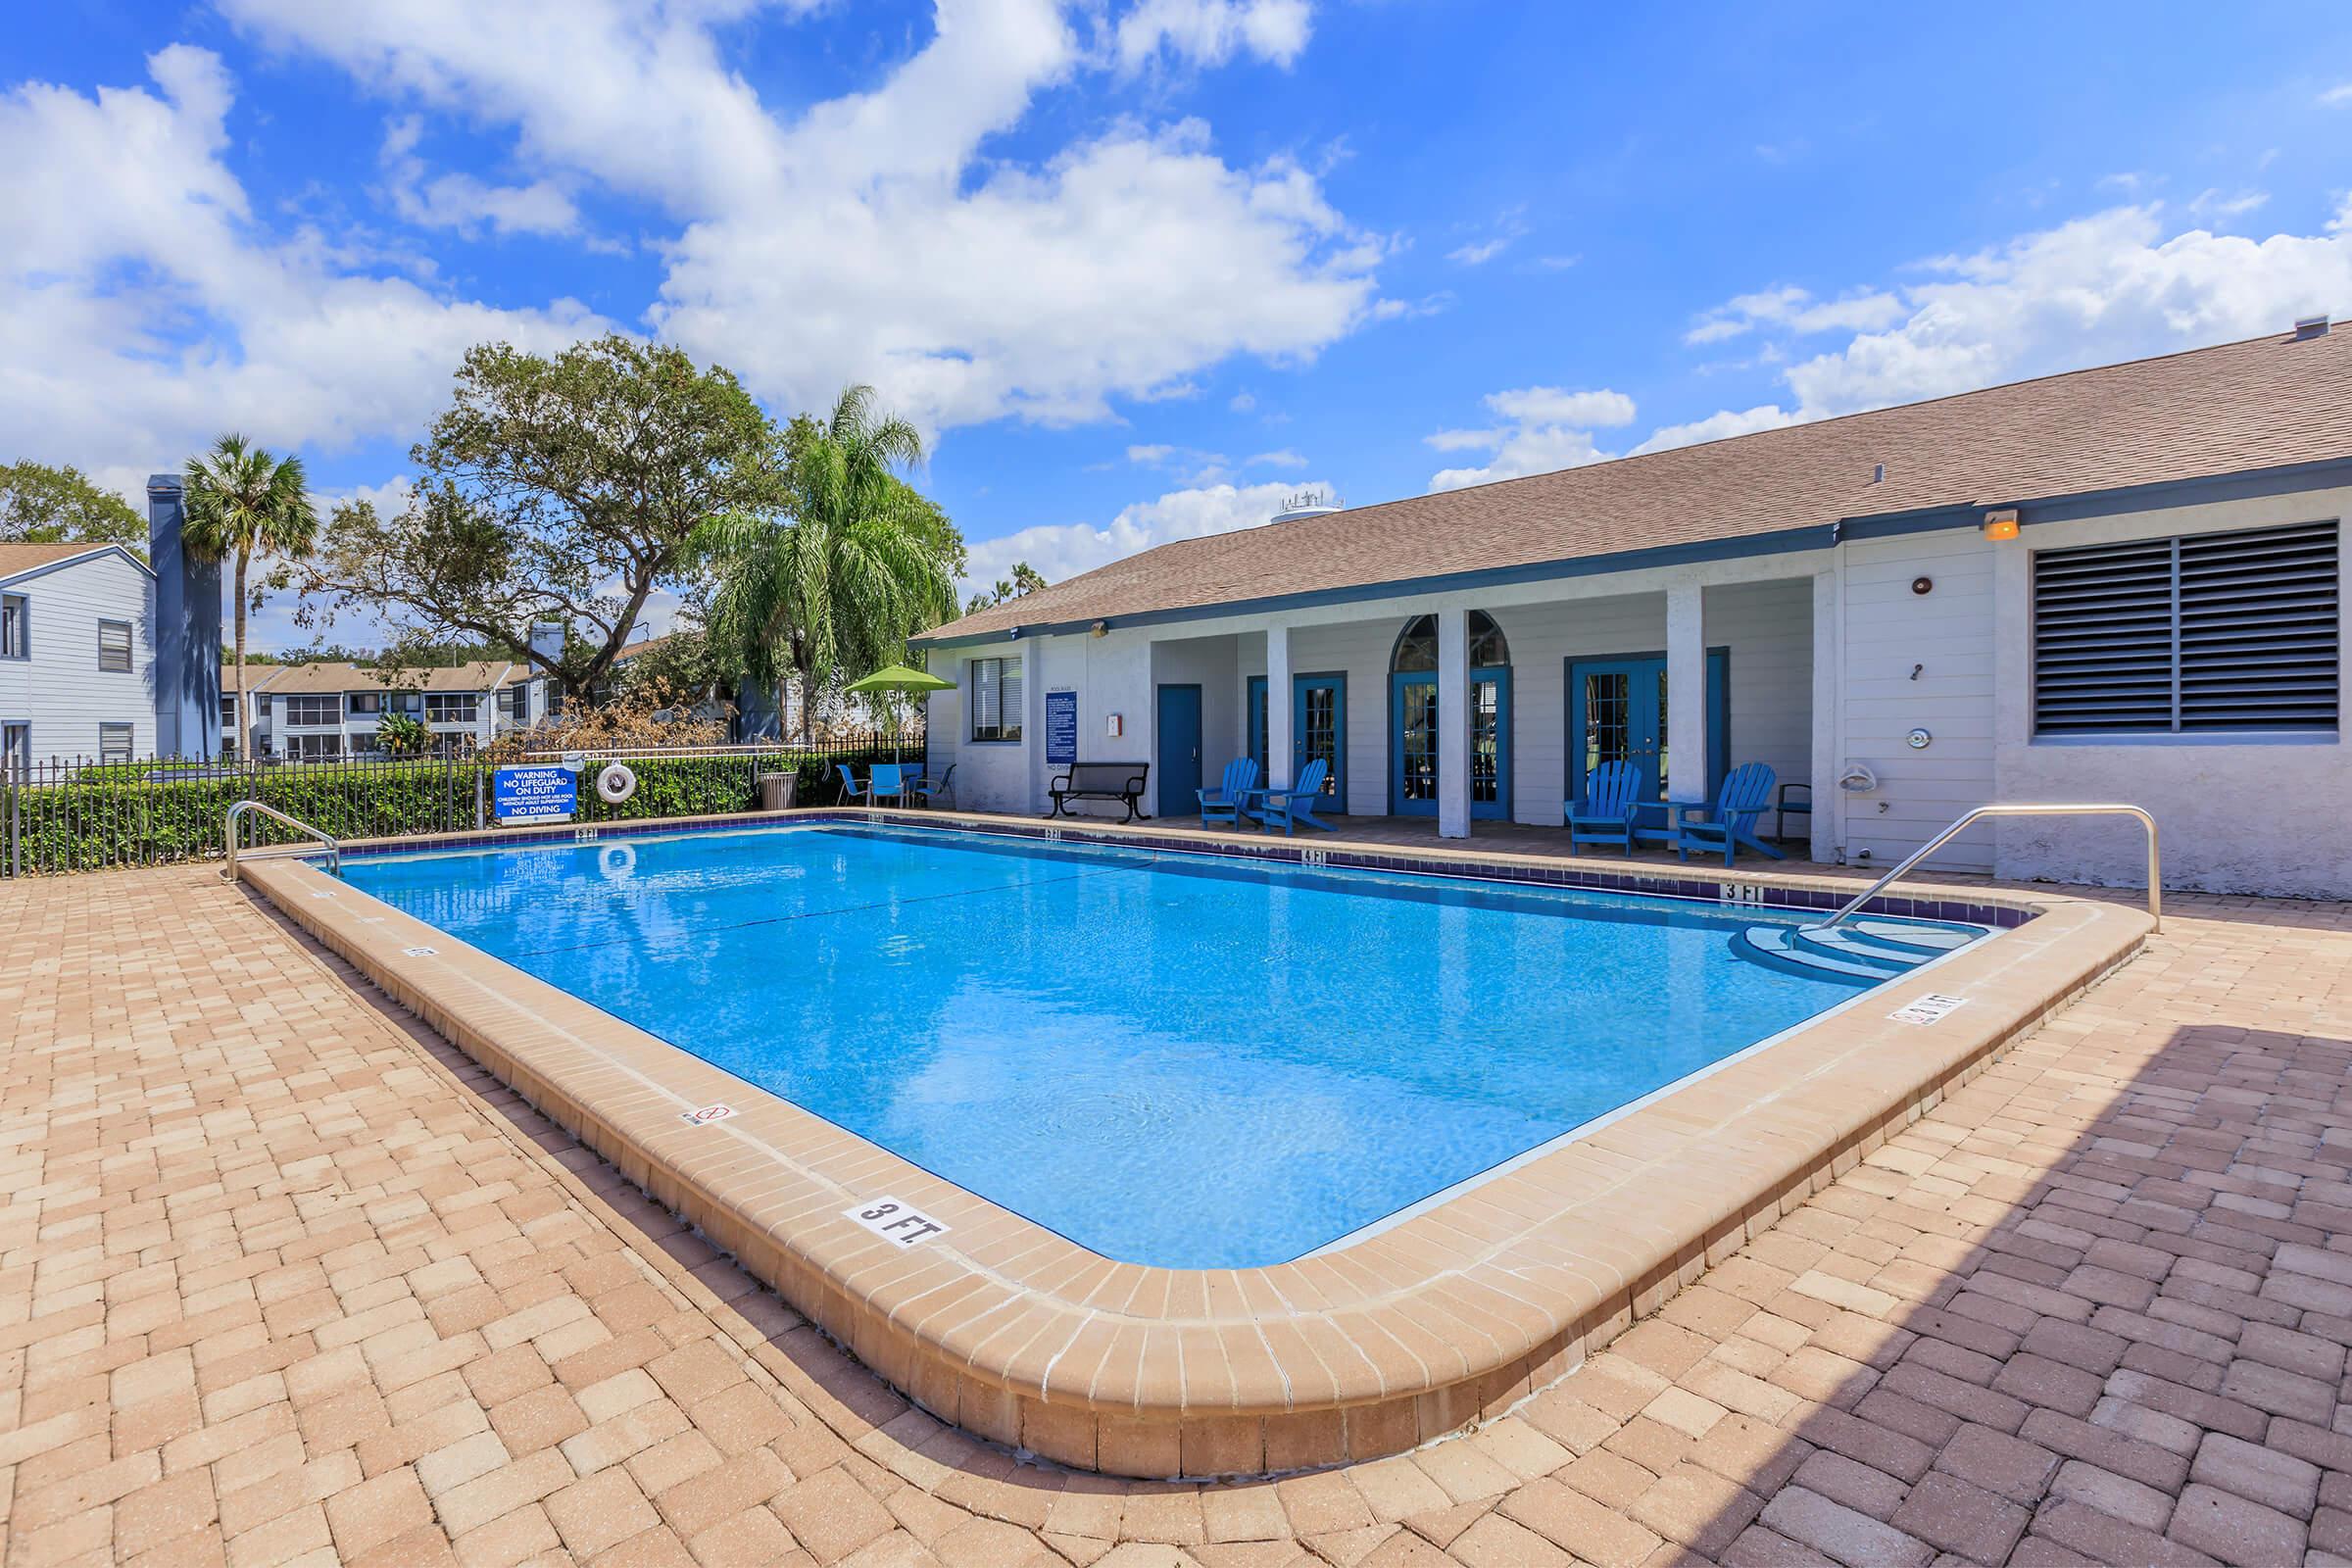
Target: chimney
(186, 632)
(2311, 327)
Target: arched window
(1417, 645)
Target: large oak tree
(563, 489)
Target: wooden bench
(1100, 781)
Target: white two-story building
(2121, 584)
(308, 712)
(76, 654)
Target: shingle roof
(15, 557)
(257, 676)
(342, 677)
(2265, 403)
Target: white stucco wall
(2267, 814)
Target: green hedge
(148, 815)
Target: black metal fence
(72, 816)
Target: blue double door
(1318, 730)
(1413, 750)
(1617, 712)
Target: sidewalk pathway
(286, 1279)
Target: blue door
(1179, 765)
(1258, 725)
(1413, 743)
(1318, 728)
(1617, 710)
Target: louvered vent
(2219, 631)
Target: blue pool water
(1169, 1059)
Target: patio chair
(851, 790)
(888, 778)
(1296, 804)
(927, 789)
(1746, 796)
(1224, 803)
(1604, 813)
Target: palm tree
(836, 590)
(241, 500)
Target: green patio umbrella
(898, 678)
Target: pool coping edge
(1022, 1336)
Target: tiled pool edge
(1027, 1340)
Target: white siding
(1769, 628)
(1946, 635)
(60, 690)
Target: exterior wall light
(2001, 525)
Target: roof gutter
(2243, 484)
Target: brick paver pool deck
(285, 1278)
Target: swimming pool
(1180, 1061)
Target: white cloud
(1549, 405)
(1510, 227)
(2339, 94)
(1479, 253)
(2226, 204)
(463, 203)
(964, 286)
(2102, 288)
(1153, 453)
(1210, 32)
(1282, 457)
(1717, 428)
(1243, 402)
(2097, 290)
(1482, 440)
(1798, 311)
(1064, 550)
(144, 310)
(1548, 427)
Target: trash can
(776, 791)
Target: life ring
(615, 784)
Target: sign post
(535, 795)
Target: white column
(1279, 740)
(1453, 724)
(1686, 696)
(1826, 725)
(1033, 721)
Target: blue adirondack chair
(1224, 803)
(851, 789)
(1297, 804)
(1730, 823)
(1605, 813)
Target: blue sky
(1140, 266)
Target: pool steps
(1862, 952)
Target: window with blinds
(2209, 632)
(996, 692)
(114, 647)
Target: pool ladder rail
(1867, 951)
(233, 833)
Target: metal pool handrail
(237, 813)
(2155, 878)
